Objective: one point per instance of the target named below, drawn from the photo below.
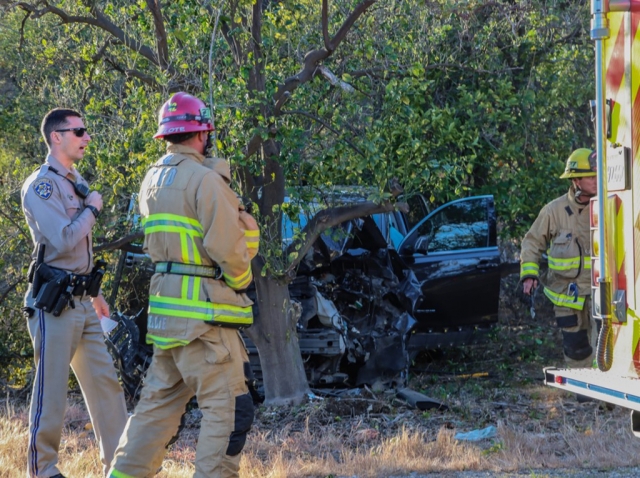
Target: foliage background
(455, 98)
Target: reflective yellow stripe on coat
(187, 227)
(240, 282)
(529, 269)
(563, 300)
(189, 305)
(164, 342)
(200, 310)
(567, 264)
(253, 242)
(118, 474)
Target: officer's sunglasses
(79, 132)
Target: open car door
(454, 254)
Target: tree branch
(253, 146)
(99, 20)
(231, 40)
(227, 30)
(22, 24)
(348, 23)
(311, 61)
(122, 244)
(23, 232)
(103, 50)
(257, 80)
(312, 58)
(325, 25)
(469, 68)
(161, 35)
(131, 73)
(334, 80)
(376, 72)
(326, 125)
(10, 288)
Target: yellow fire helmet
(581, 164)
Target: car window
(456, 226)
(382, 221)
(417, 210)
(393, 233)
(296, 217)
(289, 227)
(389, 228)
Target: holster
(57, 287)
(95, 279)
(55, 283)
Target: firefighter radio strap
(54, 289)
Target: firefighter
(61, 212)
(201, 241)
(562, 230)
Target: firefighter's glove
(526, 299)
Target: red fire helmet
(183, 113)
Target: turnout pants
(212, 368)
(74, 338)
(579, 335)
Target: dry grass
(312, 441)
(79, 455)
(407, 452)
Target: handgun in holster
(66, 298)
(54, 284)
(93, 289)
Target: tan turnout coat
(562, 230)
(192, 216)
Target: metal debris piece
(420, 401)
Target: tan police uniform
(562, 227)
(191, 220)
(58, 219)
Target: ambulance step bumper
(606, 386)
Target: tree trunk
(274, 334)
(274, 328)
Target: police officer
(202, 242)
(562, 227)
(60, 213)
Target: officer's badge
(43, 188)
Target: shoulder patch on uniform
(43, 187)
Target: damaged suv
(370, 294)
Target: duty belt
(214, 272)
(82, 284)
